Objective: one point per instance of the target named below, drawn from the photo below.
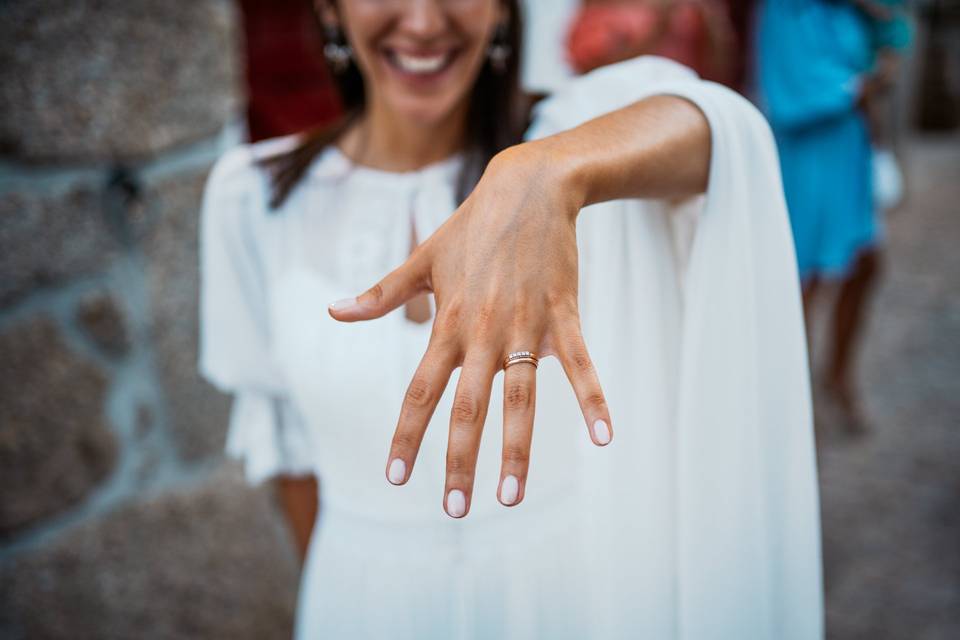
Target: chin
(426, 112)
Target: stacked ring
(520, 356)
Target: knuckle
(449, 319)
(579, 357)
(466, 409)
(486, 318)
(419, 394)
(458, 463)
(562, 303)
(405, 441)
(595, 400)
(516, 455)
(376, 292)
(487, 312)
(518, 396)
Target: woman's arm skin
(655, 148)
(298, 496)
(503, 269)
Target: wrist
(548, 162)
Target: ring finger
(519, 402)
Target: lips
(420, 64)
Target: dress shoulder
(238, 172)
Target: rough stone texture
(37, 226)
(100, 318)
(208, 562)
(198, 413)
(55, 445)
(891, 522)
(106, 79)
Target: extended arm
(655, 148)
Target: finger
(573, 355)
(519, 401)
(419, 403)
(401, 284)
(466, 425)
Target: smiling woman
(688, 509)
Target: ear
(327, 10)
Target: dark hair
(497, 117)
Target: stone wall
(119, 517)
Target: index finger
(419, 403)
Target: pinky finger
(579, 368)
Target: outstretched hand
(503, 271)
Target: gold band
(520, 356)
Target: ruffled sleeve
(265, 430)
(747, 509)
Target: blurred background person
(822, 66)
(696, 33)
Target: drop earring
(336, 50)
(499, 50)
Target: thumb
(401, 284)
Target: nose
(423, 18)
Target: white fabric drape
(747, 512)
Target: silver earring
(499, 51)
(336, 50)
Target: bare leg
(298, 496)
(811, 287)
(846, 330)
(811, 292)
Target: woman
(819, 78)
(700, 518)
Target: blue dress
(811, 57)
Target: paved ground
(891, 499)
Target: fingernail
(456, 503)
(601, 432)
(509, 490)
(340, 305)
(397, 471)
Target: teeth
(417, 64)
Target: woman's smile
(420, 68)
(419, 60)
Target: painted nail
(456, 503)
(601, 432)
(397, 471)
(509, 490)
(340, 305)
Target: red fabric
(289, 88)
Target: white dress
(699, 521)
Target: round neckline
(334, 162)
